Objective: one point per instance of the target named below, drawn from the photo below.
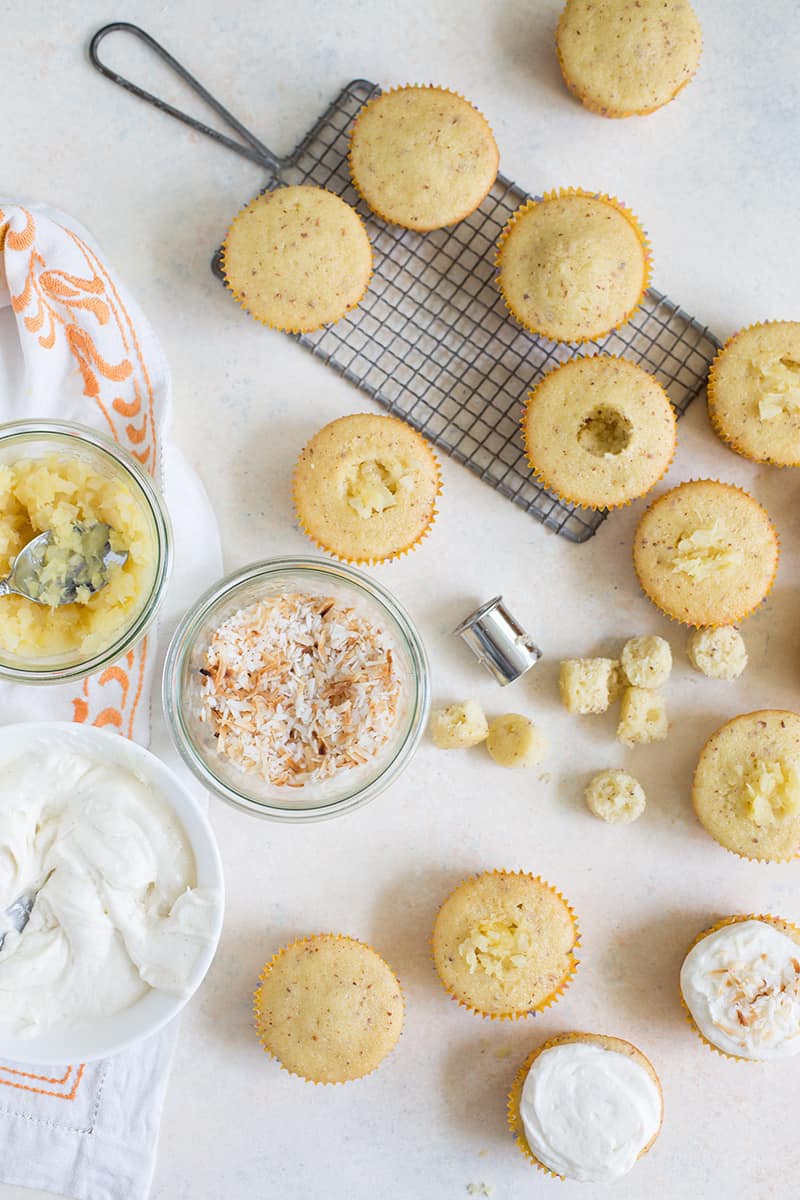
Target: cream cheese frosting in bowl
(741, 985)
(130, 905)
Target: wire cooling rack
(432, 341)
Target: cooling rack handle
(250, 146)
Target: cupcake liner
(713, 415)
(553, 996)
(779, 923)
(265, 971)
(296, 329)
(618, 206)
(514, 1116)
(402, 88)
(562, 495)
(728, 620)
(374, 560)
(598, 109)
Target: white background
(715, 178)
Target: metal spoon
(17, 915)
(79, 571)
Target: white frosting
(588, 1112)
(742, 986)
(118, 915)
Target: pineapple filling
(497, 946)
(606, 432)
(705, 552)
(769, 790)
(780, 378)
(374, 484)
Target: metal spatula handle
(250, 147)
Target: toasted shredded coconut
(299, 687)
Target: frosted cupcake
(626, 57)
(746, 789)
(586, 1106)
(365, 488)
(599, 431)
(754, 393)
(504, 944)
(573, 265)
(297, 258)
(740, 984)
(328, 1008)
(422, 157)
(706, 553)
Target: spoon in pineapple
(51, 574)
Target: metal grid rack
(433, 342)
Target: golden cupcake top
(573, 265)
(626, 57)
(365, 487)
(504, 943)
(328, 1008)
(746, 789)
(706, 553)
(599, 431)
(575, 1074)
(297, 258)
(754, 393)
(422, 157)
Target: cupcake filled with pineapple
(740, 984)
(365, 488)
(422, 157)
(573, 265)
(746, 788)
(328, 1008)
(504, 944)
(599, 431)
(586, 1106)
(754, 393)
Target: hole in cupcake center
(605, 432)
(375, 484)
(768, 790)
(780, 387)
(703, 553)
(497, 946)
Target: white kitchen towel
(75, 345)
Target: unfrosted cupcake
(746, 789)
(422, 157)
(599, 431)
(740, 984)
(586, 1106)
(328, 1008)
(754, 393)
(573, 265)
(626, 57)
(504, 944)
(365, 487)
(706, 553)
(297, 258)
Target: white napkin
(74, 345)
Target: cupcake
(504, 944)
(706, 553)
(586, 1106)
(297, 258)
(627, 57)
(365, 488)
(328, 1008)
(754, 393)
(746, 789)
(740, 984)
(573, 265)
(599, 431)
(422, 157)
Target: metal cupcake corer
(498, 641)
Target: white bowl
(98, 1039)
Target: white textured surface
(715, 178)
